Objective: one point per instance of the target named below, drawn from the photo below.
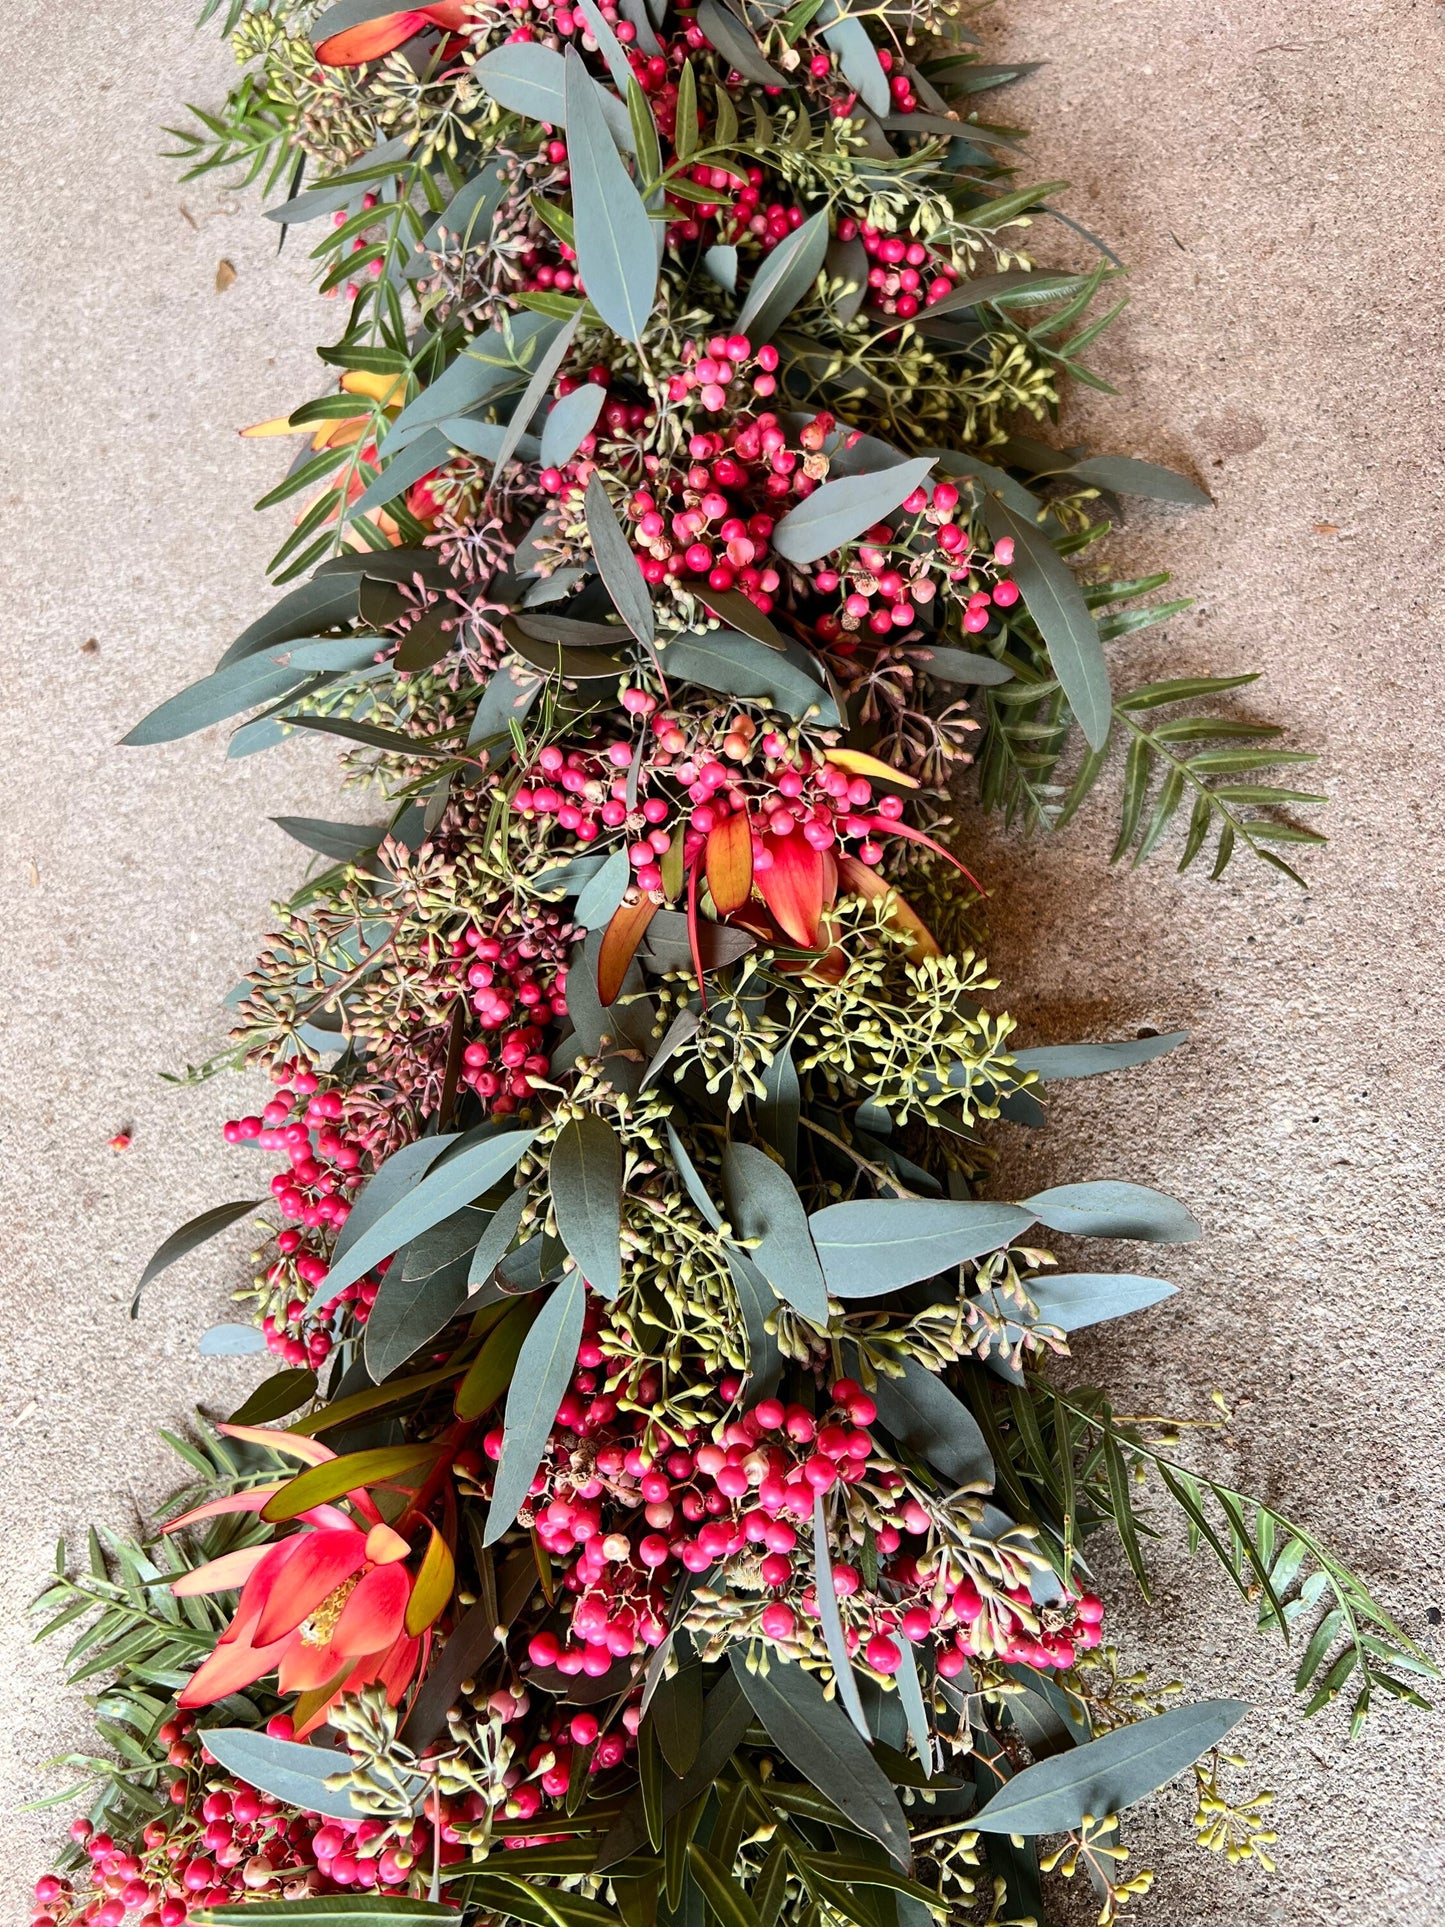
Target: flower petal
(235, 1664)
(231, 1570)
(384, 1546)
(319, 1563)
(291, 1443)
(373, 1616)
(251, 1501)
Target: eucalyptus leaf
(602, 895)
(585, 1176)
(231, 1341)
(1054, 599)
(928, 1419)
(244, 684)
(787, 272)
(293, 1773)
(763, 1204)
(392, 1181)
(839, 512)
(1108, 1774)
(1110, 1209)
(464, 1175)
(816, 1735)
(544, 1370)
(871, 1246)
(527, 78)
(616, 252)
(1072, 1300)
(570, 420)
(1059, 1061)
(195, 1231)
(616, 564)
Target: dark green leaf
(275, 1397)
(245, 684)
(1122, 475)
(585, 1174)
(925, 1417)
(191, 1234)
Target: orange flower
(373, 38)
(325, 1608)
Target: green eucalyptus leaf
(543, 1372)
(1107, 1208)
(733, 41)
(785, 276)
(1072, 1300)
(527, 78)
(294, 1773)
(231, 1341)
(1054, 599)
(392, 1181)
(616, 564)
(570, 420)
(1122, 475)
(1108, 1774)
(839, 512)
(1058, 1061)
(923, 1415)
(871, 1246)
(616, 251)
(763, 1204)
(194, 1232)
(585, 1175)
(463, 1175)
(244, 684)
(816, 1735)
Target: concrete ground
(1272, 177)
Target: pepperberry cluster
(225, 1843)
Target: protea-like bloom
(329, 1609)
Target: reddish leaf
(884, 826)
(794, 886)
(371, 39)
(619, 946)
(730, 863)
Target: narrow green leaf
(544, 1369)
(616, 253)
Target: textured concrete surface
(1272, 177)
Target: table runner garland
(664, 1510)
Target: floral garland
(688, 1527)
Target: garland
(663, 1510)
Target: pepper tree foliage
(688, 1526)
